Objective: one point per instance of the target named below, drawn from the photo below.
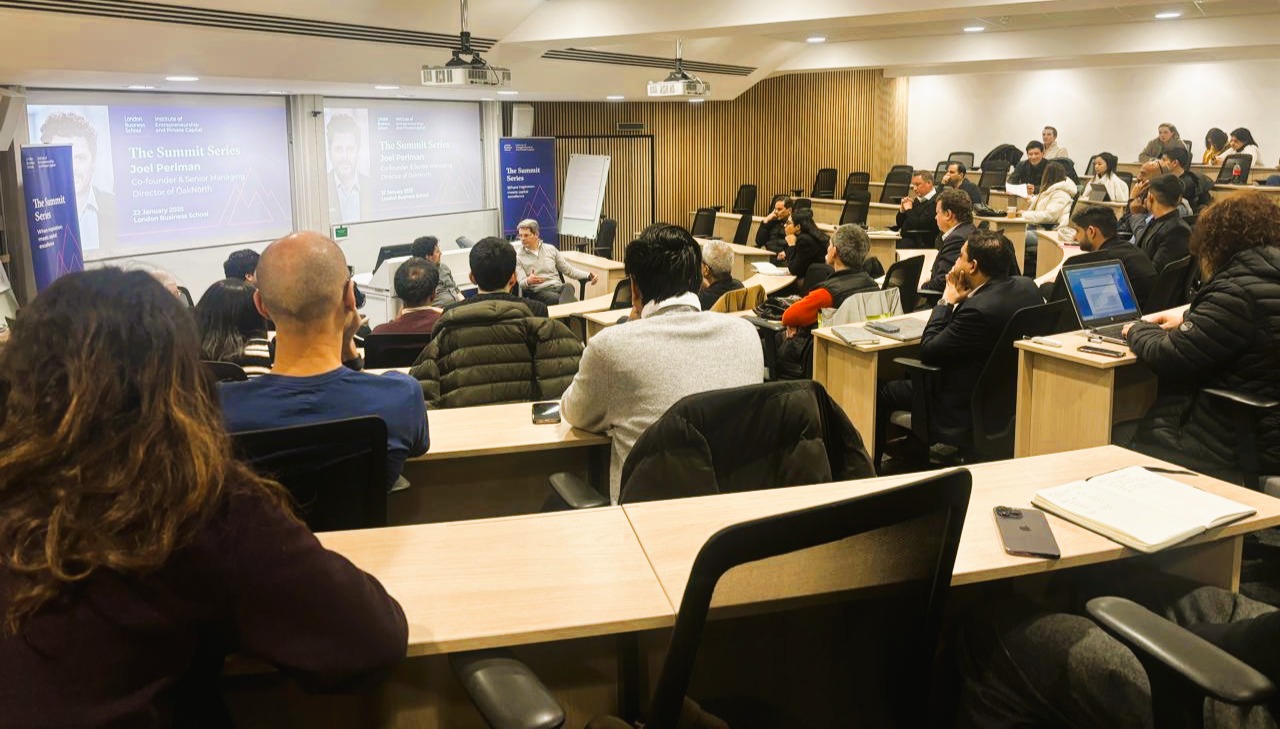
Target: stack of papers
(1018, 190)
(1140, 509)
(768, 269)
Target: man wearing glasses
(916, 220)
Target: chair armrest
(915, 364)
(928, 292)
(505, 691)
(575, 492)
(1212, 669)
(1244, 398)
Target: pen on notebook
(1153, 469)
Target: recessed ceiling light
(816, 39)
(140, 87)
(614, 97)
(487, 98)
(182, 79)
(974, 28)
(696, 100)
(278, 93)
(1169, 15)
(507, 92)
(386, 87)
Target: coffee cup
(1012, 212)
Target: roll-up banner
(53, 220)
(528, 177)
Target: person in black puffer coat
(1229, 338)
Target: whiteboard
(583, 195)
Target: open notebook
(1140, 509)
(768, 269)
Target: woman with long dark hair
(1241, 142)
(231, 329)
(1104, 173)
(135, 552)
(1051, 205)
(1215, 145)
(806, 244)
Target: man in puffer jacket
(491, 348)
(1229, 338)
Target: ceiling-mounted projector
(460, 72)
(680, 83)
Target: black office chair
(1006, 152)
(395, 251)
(800, 203)
(1247, 410)
(824, 184)
(1172, 287)
(938, 172)
(994, 397)
(605, 236)
(994, 174)
(745, 200)
(857, 205)
(965, 158)
(1127, 177)
(186, 296)
(336, 471)
(857, 650)
(896, 184)
(904, 276)
(704, 223)
(743, 231)
(621, 295)
(393, 350)
(815, 274)
(810, 441)
(1226, 173)
(1183, 668)
(225, 371)
(857, 181)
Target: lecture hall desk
(601, 320)
(608, 272)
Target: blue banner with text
(528, 177)
(53, 221)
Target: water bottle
(1235, 173)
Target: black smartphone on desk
(545, 413)
(1026, 533)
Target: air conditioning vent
(631, 126)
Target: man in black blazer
(957, 177)
(1166, 238)
(954, 216)
(1095, 228)
(979, 300)
(916, 213)
(1030, 170)
(771, 235)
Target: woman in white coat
(1051, 206)
(1104, 173)
(1241, 142)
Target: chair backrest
(225, 371)
(745, 200)
(743, 231)
(995, 393)
(897, 183)
(605, 236)
(857, 181)
(1006, 152)
(336, 470)
(994, 174)
(814, 275)
(1069, 166)
(824, 183)
(396, 251)
(621, 295)
(888, 554)
(185, 293)
(394, 350)
(704, 223)
(965, 157)
(1126, 176)
(1225, 176)
(857, 205)
(802, 202)
(868, 305)
(905, 277)
(938, 172)
(1172, 286)
(739, 300)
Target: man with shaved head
(304, 286)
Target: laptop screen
(1101, 293)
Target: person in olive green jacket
(492, 348)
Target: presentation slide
(402, 159)
(161, 173)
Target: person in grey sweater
(631, 374)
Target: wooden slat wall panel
(629, 194)
(776, 135)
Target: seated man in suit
(954, 215)
(415, 283)
(1095, 228)
(1165, 239)
(717, 273)
(494, 348)
(1029, 171)
(916, 213)
(428, 247)
(630, 375)
(541, 268)
(304, 286)
(979, 300)
(771, 235)
(957, 178)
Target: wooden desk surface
(881, 343)
(494, 429)
(1268, 189)
(587, 259)
(606, 318)
(1072, 340)
(511, 581)
(770, 284)
(999, 221)
(586, 306)
(672, 532)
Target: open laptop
(1102, 296)
(1097, 192)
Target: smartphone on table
(546, 413)
(1026, 533)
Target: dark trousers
(891, 396)
(552, 295)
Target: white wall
(1114, 110)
